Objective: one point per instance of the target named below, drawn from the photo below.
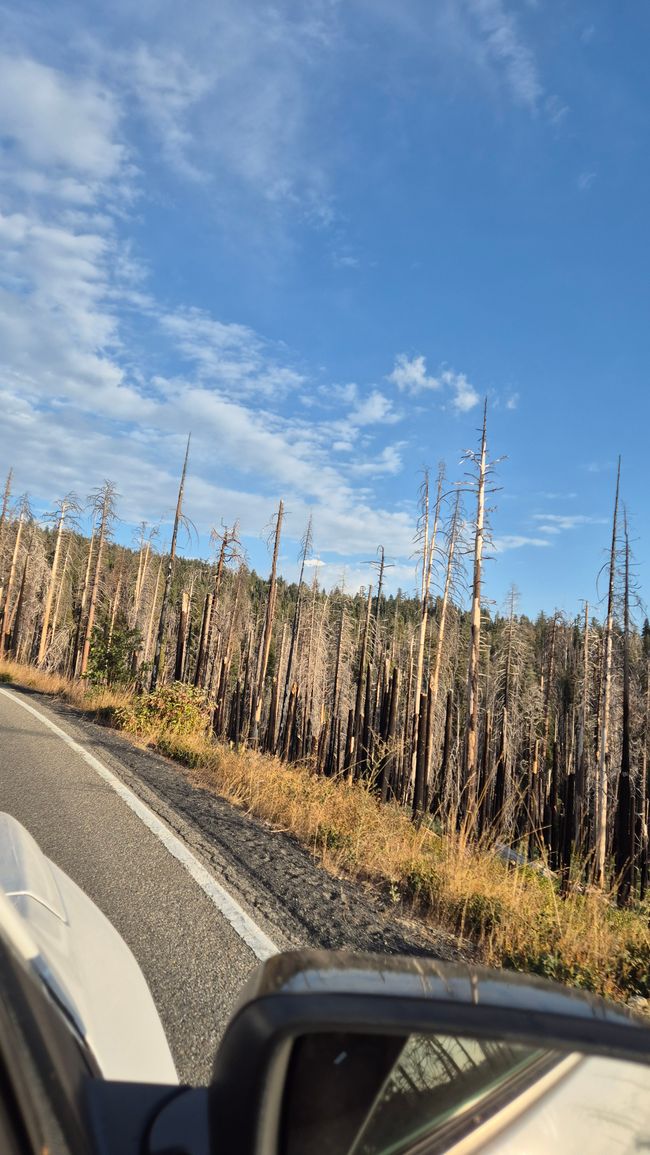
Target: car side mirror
(340, 1054)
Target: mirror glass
(370, 1094)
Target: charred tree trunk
(600, 805)
(267, 633)
(624, 840)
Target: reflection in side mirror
(336, 1054)
(375, 1095)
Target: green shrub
(550, 964)
(421, 885)
(173, 746)
(480, 914)
(174, 709)
(632, 968)
(332, 839)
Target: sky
(317, 235)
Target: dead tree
(67, 504)
(104, 508)
(162, 622)
(600, 802)
(3, 512)
(625, 819)
(427, 554)
(267, 632)
(470, 784)
(24, 516)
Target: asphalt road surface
(193, 959)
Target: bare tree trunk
(624, 840)
(582, 758)
(82, 602)
(182, 636)
(162, 623)
(152, 613)
(6, 608)
(305, 551)
(42, 645)
(428, 550)
(471, 744)
(603, 752)
(57, 607)
(356, 729)
(106, 510)
(3, 513)
(453, 537)
(267, 633)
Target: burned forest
(528, 735)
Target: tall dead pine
(104, 506)
(625, 817)
(602, 767)
(51, 585)
(267, 632)
(24, 514)
(471, 741)
(428, 540)
(164, 608)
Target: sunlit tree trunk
(603, 752)
(162, 623)
(471, 742)
(51, 586)
(105, 506)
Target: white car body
(88, 968)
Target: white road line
(255, 938)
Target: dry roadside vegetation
(516, 916)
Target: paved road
(194, 961)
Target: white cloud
(374, 409)
(226, 91)
(388, 462)
(554, 523)
(504, 49)
(410, 375)
(512, 401)
(53, 120)
(231, 356)
(465, 395)
(517, 541)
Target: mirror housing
(310, 992)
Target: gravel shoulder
(294, 899)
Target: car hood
(84, 962)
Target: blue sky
(317, 235)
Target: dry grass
(514, 916)
(77, 693)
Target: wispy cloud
(555, 523)
(501, 44)
(586, 180)
(505, 542)
(410, 376)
